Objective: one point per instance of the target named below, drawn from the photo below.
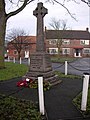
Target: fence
(76, 67)
(24, 61)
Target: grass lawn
(62, 75)
(12, 70)
(17, 109)
(77, 102)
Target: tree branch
(65, 8)
(25, 2)
(88, 3)
(19, 9)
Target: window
(84, 42)
(15, 52)
(65, 50)
(65, 42)
(86, 50)
(53, 42)
(53, 50)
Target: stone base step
(55, 81)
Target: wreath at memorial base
(33, 84)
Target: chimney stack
(87, 29)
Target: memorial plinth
(40, 62)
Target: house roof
(25, 39)
(29, 39)
(67, 34)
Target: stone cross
(40, 12)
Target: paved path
(58, 100)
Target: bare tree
(57, 25)
(18, 39)
(19, 6)
(87, 2)
(4, 16)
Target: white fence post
(20, 60)
(28, 60)
(65, 67)
(8, 59)
(85, 91)
(41, 95)
(14, 59)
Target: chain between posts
(78, 69)
(58, 66)
(71, 66)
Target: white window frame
(51, 50)
(65, 42)
(67, 49)
(53, 41)
(86, 52)
(84, 42)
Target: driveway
(77, 67)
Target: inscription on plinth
(40, 62)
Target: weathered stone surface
(40, 62)
(40, 12)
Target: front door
(77, 53)
(26, 54)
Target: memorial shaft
(40, 12)
(40, 62)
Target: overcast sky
(25, 19)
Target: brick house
(75, 43)
(27, 44)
